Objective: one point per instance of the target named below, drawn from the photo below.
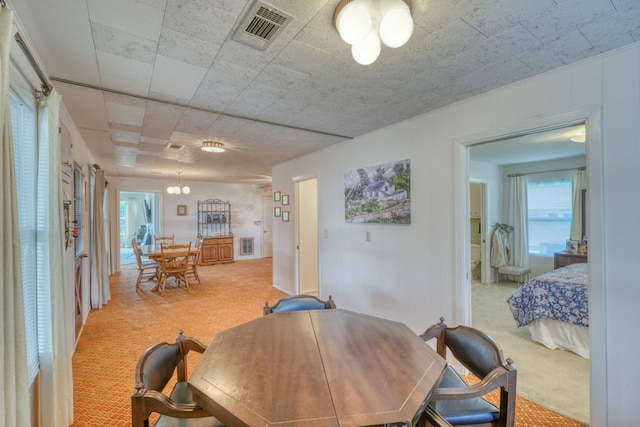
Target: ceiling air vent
(261, 25)
(174, 146)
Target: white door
(307, 236)
(267, 225)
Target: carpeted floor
(556, 379)
(118, 333)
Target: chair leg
(139, 279)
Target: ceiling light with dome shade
(367, 24)
(212, 147)
(178, 189)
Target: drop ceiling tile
(124, 74)
(176, 78)
(114, 41)
(195, 122)
(302, 57)
(496, 17)
(125, 114)
(199, 19)
(180, 46)
(149, 147)
(609, 33)
(134, 17)
(86, 106)
(556, 22)
(279, 77)
(119, 137)
(160, 120)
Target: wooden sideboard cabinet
(216, 250)
(560, 259)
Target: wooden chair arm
(492, 381)
(192, 344)
(157, 402)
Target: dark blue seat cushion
(464, 411)
(298, 303)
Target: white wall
(246, 208)
(410, 273)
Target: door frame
(592, 117)
(298, 221)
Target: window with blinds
(23, 125)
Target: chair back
(175, 256)
(298, 303)
(454, 400)
(163, 240)
(136, 251)
(154, 370)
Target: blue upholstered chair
(155, 369)
(297, 303)
(460, 404)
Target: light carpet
(555, 379)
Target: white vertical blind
(23, 125)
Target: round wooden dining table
(316, 368)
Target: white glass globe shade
(176, 190)
(354, 22)
(368, 50)
(186, 190)
(396, 24)
(170, 190)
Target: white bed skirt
(555, 334)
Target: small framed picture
(285, 216)
(276, 211)
(285, 199)
(182, 210)
(276, 196)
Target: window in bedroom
(549, 215)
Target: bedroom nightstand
(560, 259)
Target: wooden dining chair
(460, 404)
(194, 260)
(163, 240)
(157, 366)
(174, 262)
(146, 267)
(297, 303)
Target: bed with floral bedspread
(555, 305)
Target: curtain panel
(14, 375)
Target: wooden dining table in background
(154, 252)
(316, 368)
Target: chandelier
(366, 24)
(178, 189)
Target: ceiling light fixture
(364, 24)
(177, 189)
(212, 147)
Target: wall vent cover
(246, 246)
(261, 25)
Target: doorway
(307, 236)
(138, 220)
(465, 163)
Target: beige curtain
(578, 183)
(100, 292)
(517, 218)
(56, 296)
(14, 377)
(113, 219)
